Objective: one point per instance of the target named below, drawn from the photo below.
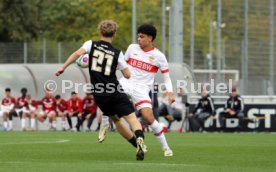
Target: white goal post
(211, 74)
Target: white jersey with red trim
(145, 64)
(143, 67)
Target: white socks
(10, 124)
(158, 132)
(32, 123)
(63, 124)
(5, 124)
(23, 123)
(54, 124)
(105, 120)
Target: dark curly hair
(148, 29)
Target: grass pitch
(80, 152)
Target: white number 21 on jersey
(97, 61)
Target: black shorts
(116, 104)
(87, 112)
(14, 114)
(74, 114)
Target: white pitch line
(35, 142)
(159, 164)
(12, 162)
(62, 141)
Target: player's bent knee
(147, 115)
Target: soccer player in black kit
(104, 60)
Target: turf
(80, 152)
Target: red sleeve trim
(165, 71)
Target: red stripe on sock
(162, 131)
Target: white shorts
(31, 109)
(23, 109)
(4, 109)
(139, 94)
(59, 111)
(46, 113)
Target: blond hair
(108, 28)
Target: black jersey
(103, 62)
(205, 104)
(235, 103)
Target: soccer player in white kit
(144, 61)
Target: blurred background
(220, 38)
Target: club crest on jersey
(151, 59)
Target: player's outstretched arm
(71, 59)
(169, 87)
